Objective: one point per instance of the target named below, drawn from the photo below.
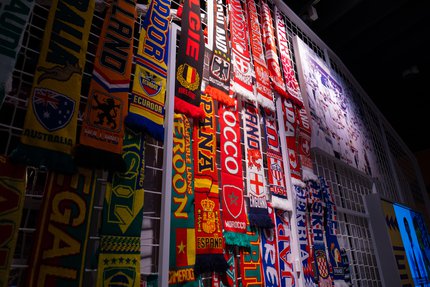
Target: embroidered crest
(254, 155)
(209, 216)
(220, 68)
(107, 115)
(53, 110)
(321, 261)
(232, 196)
(188, 77)
(150, 83)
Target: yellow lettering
(63, 244)
(180, 211)
(64, 216)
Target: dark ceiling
(383, 44)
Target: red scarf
(305, 146)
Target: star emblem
(181, 247)
(233, 198)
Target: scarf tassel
(279, 203)
(188, 109)
(259, 219)
(137, 122)
(219, 96)
(210, 263)
(238, 239)
(39, 157)
(95, 158)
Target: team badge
(53, 110)
(107, 114)
(322, 263)
(149, 83)
(116, 277)
(220, 68)
(188, 77)
(232, 196)
(209, 216)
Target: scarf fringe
(295, 99)
(279, 202)
(87, 156)
(43, 158)
(219, 96)
(308, 174)
(188, 109)
(260, 220)
(241, 91)
(266, 103)
(238, 239)
(137, 122)
(210, 263)
(297, 182)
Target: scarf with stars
(119, 257)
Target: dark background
(383, 44)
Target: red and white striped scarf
(305, 145)
(264, 90)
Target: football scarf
(303, 235)
(331, 231)
(146, 109)
(228, 279)
(264, 91)
(250, 261)
(219, 68)
(189, 66)
(233, 207)
(51, 120)
(283, 233)
(271, 54)
(270, 254)
(209, 238)
(119, 257)
(255, 179)
(322, 267)
(102, 130)
(241, 58)
(305, 145)
(292, 85)
(275, 165)
(12, 193)
(14, 15)
(182, 236)
(60, 244)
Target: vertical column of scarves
(255, 178)
(119, 258)
(275, 165)
(209, 239)
(146, 109)
(14, 15)
(293, 89)
(241, 58)
(305, 145)
(189, 66)
(264, 90)
(12, 192)
(250, 261)
(220, 67)
(283, 233)
(51, 120)
(331, 231)
(229, 278)
(270, 254)
(102, 130)
(322, 267)
(61, 238)
(182, 236)
(303, 235)
(271, 53)
(234, 210)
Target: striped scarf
(119, 257)
(102, 131)
(51, 120)
(304, 145)
(14, 15)
(283, 233)
(62, 233)
(182, 236)
(146, 109)
(250, 261)
(12, 193)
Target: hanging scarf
(146, 109)
(229, 278)
(182, 236)
(219, 69)
(61, 238)
(331, 231)
(122, 217)
(241, 58)
(264, 91)
(255, 178)
(271, 53)
(293, 88)
(270, 253)
(234, 211)
(12, 192)
(303, 235)
(275, 163)
(51, 120)
(322, 267)
(102, 131)
(209, 238)
(250, 261)
(14, 15)
(189, 66)
(283, 233)
(305, 146)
